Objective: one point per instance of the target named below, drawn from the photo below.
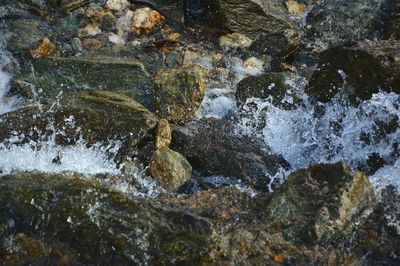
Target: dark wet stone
(96, 116)
(88, 223)
(212, 148)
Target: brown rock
(92, 43)
(145, 20)
(295, 8)
(174, 37)
(164, 135)
(170, 168)
(45, 49)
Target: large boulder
(69, 219)
(178, 92)
(333, 22)
(96, 116)
(212, 148)
(52, 75)
(356, 72)
(248, 17)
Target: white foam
(39, 157)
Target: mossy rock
(69, 74)
(96, 224)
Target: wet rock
(27, 33)
(334, 22)
(145, 20)
(235, 40)
(321, 202)
(88, 223)
(271, 86)
(45, 49)
(212, 148)
(103, 18)
(355, 72)
(253, 66)
(163, 134)
(92, 43)
(277, 45)
(68, 74)
(392, 21)
(170, 168)
(178, 92)
(96, 117)
(248, 17)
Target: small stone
(45, 49)
(295, 8)
(92, 43)
(253, 66)
(145, 20)
(98, 16)
(174, 37)
(190, 57)
(116, 5)
(164, 135)
(235, 40)
(170, 168)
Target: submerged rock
(212, 148)
(163, 134)
(69, 5)
(178, 92)
(170, 168)
(69, 74)
(235, 40)
(45, 49)
(73, 220)
(97, 117)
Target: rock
(92, 43)
(69, 5)
(335, 22)
(172, 9)
(27, 33)
(355, 72)
(392, 21)
(100, 17)
(295, 8)
(247, 17)
(116, 5)
(97, 117)
(253, 66)
(212, 148)
(174, 37)
(170, 168)
(163, 135)
(70, 219)
(145, 20)
(279, 45)
(178, 92)
(45, 49)
(271, 86)
(68, 74)
(322, 202)
(235, 40)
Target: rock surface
(178, 92)
(212, 148)
(170, 168)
